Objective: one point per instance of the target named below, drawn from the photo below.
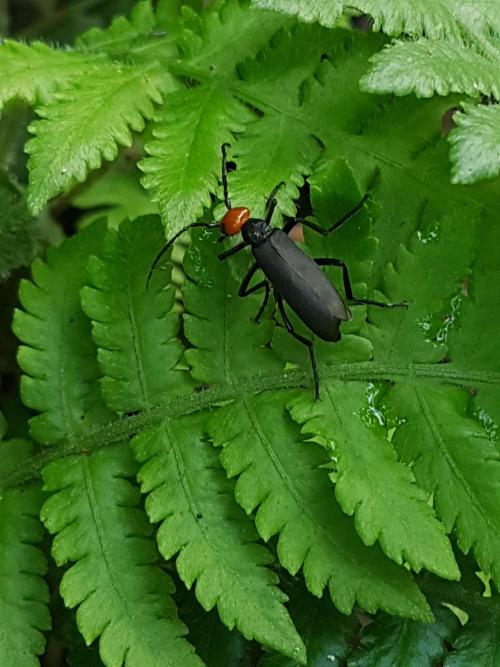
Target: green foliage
(261, 496)
(94, 116)
(122, 596)
(19, 237)
(391, 641)
(24, 613)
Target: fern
(406, 642)
(24, 610)
(19, 235)
(242, 589)
(131, 608)
(260, 495)
(175, 171)
(116, 102)
(256, 436)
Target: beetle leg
(209, 225)
(330, 261)
(350, 214)
(245, 290)
(227, 201)
(290, 224)
(265, 300)
(233, 250)
(302, 339)
(271, 203)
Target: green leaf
(34, 72)
(479, 640)
(470, 348)
(185, 157)
(56, 335)
(277, 473)
(451, 454)
(236, 30)
(217, 321)
(478, 644)
(136, 353)
(188, 492)
(213, 641)
(121, 596)
(131, 39)
(475, 143)
(133, 323)
(371, 484)
(271, 148)
(426, 67)
(392, 641)
(326, 13)
(326, 632)
(454, 459)
(19, 237)
(24, 595)
(116, 195)
(280, 477)
(93, 507)
(85, 124)
(434, 18)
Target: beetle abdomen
(302, 284)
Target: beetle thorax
(256, 231)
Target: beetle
(295, 278)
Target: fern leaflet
(133, 614)
(24, 613)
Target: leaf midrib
(190, 402)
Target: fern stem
(183, 404)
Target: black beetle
(295, 278)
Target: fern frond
(122, 33)
(190, 495)
(136, 353)
(132, 39)
(327, 633)
(235, 29)
(412, 333)
(216, 321)
(371, 484)
(322, 11)
(116, 194)
(264, 448)
(185, 156)
(451, 454)
(24, 595)
(19, 237)
(272, 149)
(454, 459)
(437, 19)
(32, 73)
(475, 143)
(56, 335)
(470, 348)
(214, 642)
(280, 478)
(84, 124)
(426, 67)
(121, 596)
(134, 329)
(390, 641)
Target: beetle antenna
(208, 225)
(227, 201)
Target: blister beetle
(294, 277)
